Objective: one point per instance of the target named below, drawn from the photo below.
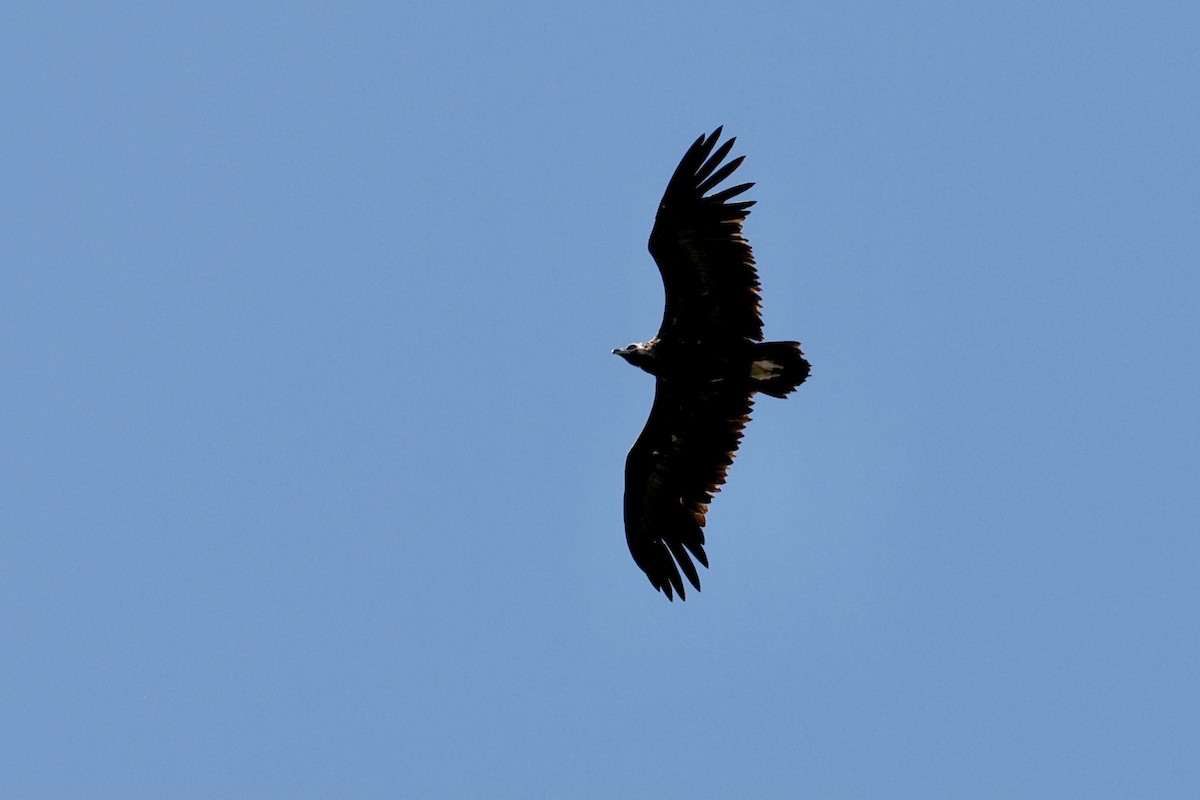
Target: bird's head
(639, 354)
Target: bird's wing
(671, 474)
(706, 264)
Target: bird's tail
(778, 368)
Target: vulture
(708, 361)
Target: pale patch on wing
(764, 370)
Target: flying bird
(708, 361)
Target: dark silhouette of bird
(708, 361)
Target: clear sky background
(312, 443)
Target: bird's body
(708, 360)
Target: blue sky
(312, 450)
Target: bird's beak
(616, 352)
